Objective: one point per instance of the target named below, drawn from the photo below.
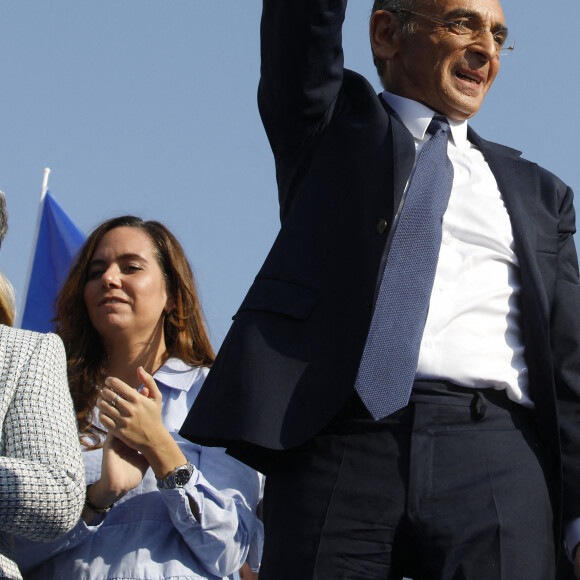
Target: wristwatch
(180, 476)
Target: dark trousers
(451, 487)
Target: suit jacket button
(382, 226)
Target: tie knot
(439, 122)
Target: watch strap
(177, 478)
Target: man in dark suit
(470, 468)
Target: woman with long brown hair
(157, 506)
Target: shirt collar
(176, 374)
(416, 117)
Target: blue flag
(57, 243)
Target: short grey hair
(396, 7)
(3, 217)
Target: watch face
(181, 476)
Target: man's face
(445, 71)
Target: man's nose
(486, 45)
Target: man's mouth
(469, 76)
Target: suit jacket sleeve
(301, 77)
(41, 471)
(565, 342)
(289, 361)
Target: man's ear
(385, 35)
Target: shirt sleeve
(28, 554)
(226, 493)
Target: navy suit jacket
(289, 361)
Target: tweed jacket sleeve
(41, 471)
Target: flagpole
(34, 243)
(44, 183)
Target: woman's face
(125, 292)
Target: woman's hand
(135, 418)
(122, 470)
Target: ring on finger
(113, 403)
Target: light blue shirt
(151, 533)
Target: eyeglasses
(471, 28)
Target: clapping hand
(135, 418)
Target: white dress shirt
(472, 335)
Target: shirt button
(382, 226)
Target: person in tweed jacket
(42, 481)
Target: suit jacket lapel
(403, 154)
(519, 184)
(519, 188)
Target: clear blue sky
(149, 107)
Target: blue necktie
(389, 362)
